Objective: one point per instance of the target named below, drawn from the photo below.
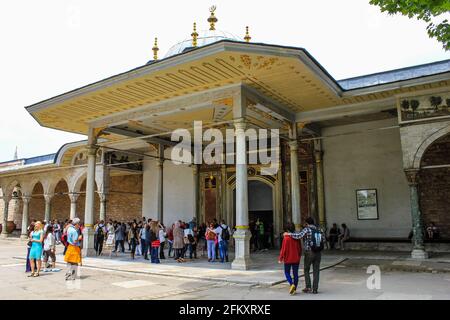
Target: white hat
(75, 221)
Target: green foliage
(425, 10)
(435, 102)
(405, 104)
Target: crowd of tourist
(182, 240)
(149, 237)
(145, 238)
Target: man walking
(100, 232)
(73, 253)
(313, 243)
(223, 232)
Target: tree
(426, 10)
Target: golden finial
(247, 37)
(212, 18)
(194, 35)
(155, 49)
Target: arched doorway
(37, 203)
(261, 205)
(434, 186)
(61, 202)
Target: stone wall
(434, 187)
(125, 200)
(366, 160)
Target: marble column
(242, 235)
(88, 233)
(295, 184)
(196, 211)
(73, 204)
(159, 188)
(5, 200)
(223, 173)
(25, 216)
(418, 252)
(103, 199)
(320, 192)
(48, 206)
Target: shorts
(49, 254)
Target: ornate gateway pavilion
(372, 151)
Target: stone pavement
(265, 270)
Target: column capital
(412, 175)
(195, 169)
(92, 150)
(318, 156)
(293, 145)
(26, 199)
(48, 197)
(6, 198)
(73, 196)
(240, 123)
(103, 196)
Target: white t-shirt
(188, 231)
(49, 242)
(162, 235)
(219, 229)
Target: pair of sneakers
(308, 290)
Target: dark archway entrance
(260, 206)
(434, 186)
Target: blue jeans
(211, 244)
(223, 249)
(287, 273)
(154, 255)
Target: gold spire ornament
(155, 49)
(212, 18)
(194, 36)
(247, 37)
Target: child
(290, 255)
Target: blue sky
(53, 46)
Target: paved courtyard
(119, 278)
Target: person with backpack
(210, 236)
(223, 232)
(313, 243)
(100, 232)
(290, 254)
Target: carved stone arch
(277, 204)
(9, 186)
(427, 142)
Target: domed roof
(205, 37)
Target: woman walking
(178, 244)
(37, 237)
(290, 255)
(154, 241)
(211, 236)
(133, 238)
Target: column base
(23, 237)
(419, 254)
(88, 243)
(242, 250)
(5, 235)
